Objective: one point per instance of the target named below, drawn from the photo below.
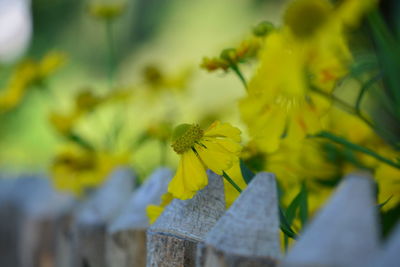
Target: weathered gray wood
(389, 255)
(64, 238)
(248, 233)
(172, 239)
(9, 226)
(344, 232)
(126, 235)
(91, 220)
(39, 210)
(31, 206)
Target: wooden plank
(248, 233)
(126, 235)
(31, 206)
(344, 232)
(89, 229)
(173, 238)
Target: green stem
(163, 154)
(355, 147)
(229, 179)
(364, 89)
(236, 69)
(111, 55)
(344, 105)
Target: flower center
(185, 136)
(305, 17)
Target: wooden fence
(42, 227)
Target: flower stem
(236, 69)
(350, 145)
(363, 89)
(163, 154)
(229, 179)
(111, 56)
(345, 106)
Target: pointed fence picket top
(92, 218)
(64, 238)
(126, 235)
(172, 239)
(344, 232)
(248, 233)
(389, 255)
(32, 206)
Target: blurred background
(171, 36)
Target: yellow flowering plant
(216, 148)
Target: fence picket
(344, 232)
(89, 229)
(126, 235)
(172, 239)
(248, 233)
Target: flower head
(106, 11)
(216, 148)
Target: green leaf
(292, 209)
(247, 174)
(80, 141)
(285, 226)
(381, 205)
(303, 204)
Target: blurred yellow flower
(216, 148)
(63, 124)
(29, 73)
(77, 169)
(154, 211)
(160, 131)
(310, 51)
(106, 11)
(246, 50)
(155, 79)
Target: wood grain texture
(344, 232)
(173, 238)
(248, 233)
(32, 206)
(89, 228)
(126, 235)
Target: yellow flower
(63, 124)
(216, 148)
(77, 169)
(106, 11)
(154, 211)
(310, 51)
(160, 131)
(246, 50)
(156, 79)
(27, 74)
(388, 179)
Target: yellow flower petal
(218, 129)
(230, 192)
(189, 178)
(215, 157)
(153, 212)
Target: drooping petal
(154, 211)
(215, 157)
(218, 129)
(229, 145)
(189, 178)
